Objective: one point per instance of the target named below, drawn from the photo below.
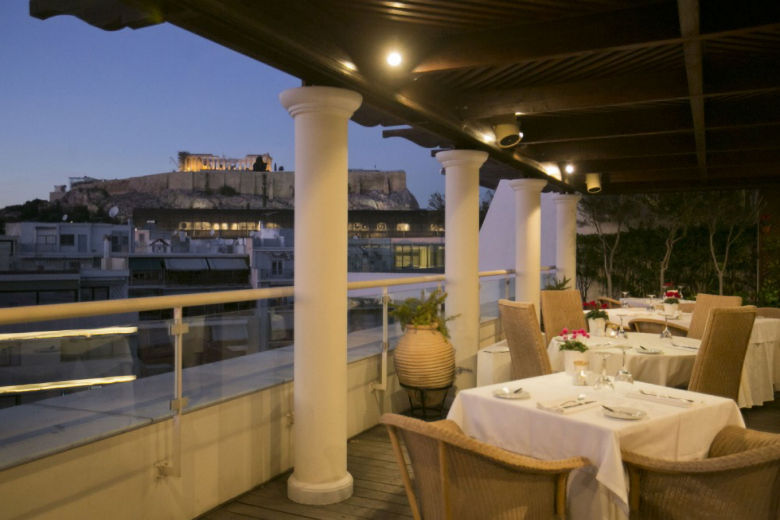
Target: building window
(403, 226)
(277, 267)
(67, 240)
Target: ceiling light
(394, 58)
(552, 169)
(569, 168)
(349, 65)
(487, 138)
(508, 134)
(593, 182)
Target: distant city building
(62, 262)
(195, 162)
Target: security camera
(508, 134)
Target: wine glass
(621, 331)
(651, 301)
(603, 382)
(623, 302)
(624, 375)
(666, 333)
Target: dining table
(649, 358)
(761, 368)
(549, 417)
(646, 302)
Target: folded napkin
(568, 405)
(648, 395)
(681, 341)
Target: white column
(320, 388)
(566, 236)
(461, 256)
(528, 239)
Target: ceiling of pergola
(654, 95)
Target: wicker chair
(717, 369)
(740, 478)
(768, 312)
(653, 325)
(526, 346)
(705, 302)
(457, 477)
(611, 302)
(562, 310)
(687, 306)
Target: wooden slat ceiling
(652, 94)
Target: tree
(726, 215)
(675, 214)
(609, 215)
(484, 205)
(436, 202)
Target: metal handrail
(33, 313)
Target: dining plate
(645, 350)
(506, 393)
(624, 412)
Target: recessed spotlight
(349, 65)
(519, 113)
(569, 168)
(394, 58)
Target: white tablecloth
(519, 426)
(672, 367)
(761, 370)
(628, 314)
(646, 302)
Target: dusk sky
(79, 101)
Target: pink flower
(564, 332)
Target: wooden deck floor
(378, 492)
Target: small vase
(671, 309)
(569, 357)
(596, 326)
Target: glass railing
(120, 364)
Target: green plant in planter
(423, 312)
(672, 297)
(570, 341)
(558, 284)
(595, 311)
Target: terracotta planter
(424, 358)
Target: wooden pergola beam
(689, 28)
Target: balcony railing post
(385, 342)
(178, 329)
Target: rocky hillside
(381, 190)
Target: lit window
(403, 226)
